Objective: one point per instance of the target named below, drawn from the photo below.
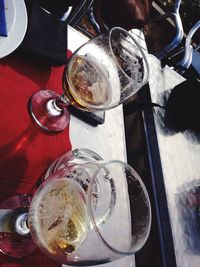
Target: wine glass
(86, 211)
(100, 75)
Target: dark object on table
(183, 107)
(3, 28)
(58, 8)
(90, 117)
(46, 36)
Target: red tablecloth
(25, 150)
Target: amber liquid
(85, 84)
(59, 218)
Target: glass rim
(92, 217)
(138, 46)
(93, 108)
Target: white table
(108, 139)
(179, 153)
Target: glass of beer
(103, 73)
(85, 212)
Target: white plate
(16, 19)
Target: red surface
(25, 150)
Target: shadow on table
(181, 110)
(188, 203)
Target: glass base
(46, 113)
(12, 243)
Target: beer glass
(87, 211)
(103, 73)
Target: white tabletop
(108, 139)
(180, 159)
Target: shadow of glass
(14, 162)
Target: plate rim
(16, 36)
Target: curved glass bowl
(91, 213)
(100, 75)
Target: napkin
(3, 28)
(25, 150)
(57, 8)
(46, 35)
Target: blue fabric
(3, 28)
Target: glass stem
(20, 222)
(61, 103)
